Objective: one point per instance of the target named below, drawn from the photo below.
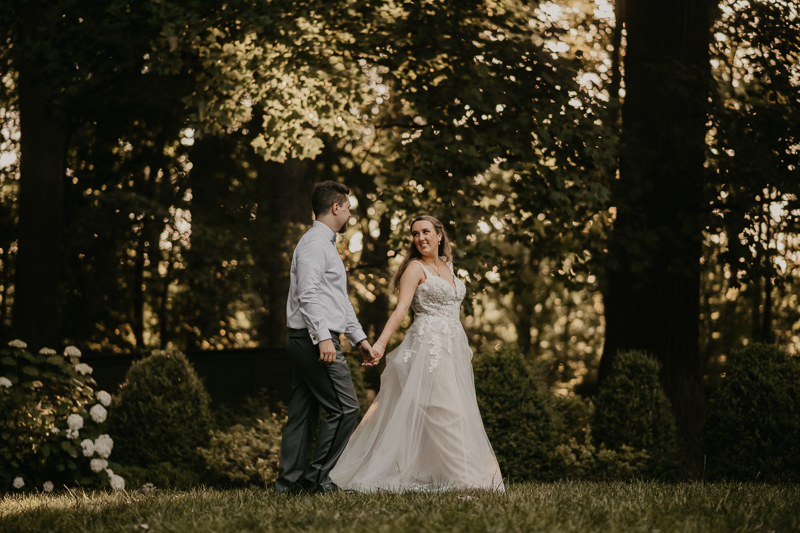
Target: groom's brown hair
(326, 194)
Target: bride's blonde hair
(445, 248)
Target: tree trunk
(524, 302)
(290, 185)
(652, 292)
(616, 54)
(41, 196)
(163, 317)
(767, 335)
(5, 280)
(138, 293)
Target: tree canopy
(156, 161)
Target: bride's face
(425, 238)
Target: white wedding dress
(423, 430)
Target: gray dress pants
(315, 386)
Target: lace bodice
(436, 297)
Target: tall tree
(43, 123)
(652, 292)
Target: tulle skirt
(424, 430)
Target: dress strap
(449, 265)
(427, 272)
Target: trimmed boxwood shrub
(161, 413)
(515, 408)
(753, 426)
(632, 410)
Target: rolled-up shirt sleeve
(353, 330)
(311, 265)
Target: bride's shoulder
(415, 267)
(414, 270)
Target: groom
(318, 312)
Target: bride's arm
(411, 279)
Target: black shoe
(326, 489)
(298, 489)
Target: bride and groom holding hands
(423, 431)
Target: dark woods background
(613, 176)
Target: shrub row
(167, 436)
(751, 433)
(537, 436)
(164, 432)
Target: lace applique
(436, 352)
(417, 330)
(437, 306)
(436, 345)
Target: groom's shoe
(301, 488)
(326, 489)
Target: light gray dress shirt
(318, 297)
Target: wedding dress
(423, 430)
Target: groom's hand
(366, 351)
(377, 352)
(327, 352)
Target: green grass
(552, 507)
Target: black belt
(304, 331)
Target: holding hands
(377, 352)
(366, 352)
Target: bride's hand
(377, 352)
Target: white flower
(75, 421)
(116, 482)
(47, 351)
(72, 350)
(55, 431)
(103, 445)
(48, 486)
(72, 434)
(104, 397)
(5, 382)
(97, 465)
(88, 447)
(16, 343)
(98, 413)
(83, 368)
(148, 487)
(18, 483)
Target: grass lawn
(562, 506)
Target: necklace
(433, 267)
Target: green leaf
(10, 361)
(55, 360)
(68, 447)
(30, 370)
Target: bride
(424, 430)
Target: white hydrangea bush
(53, 417)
